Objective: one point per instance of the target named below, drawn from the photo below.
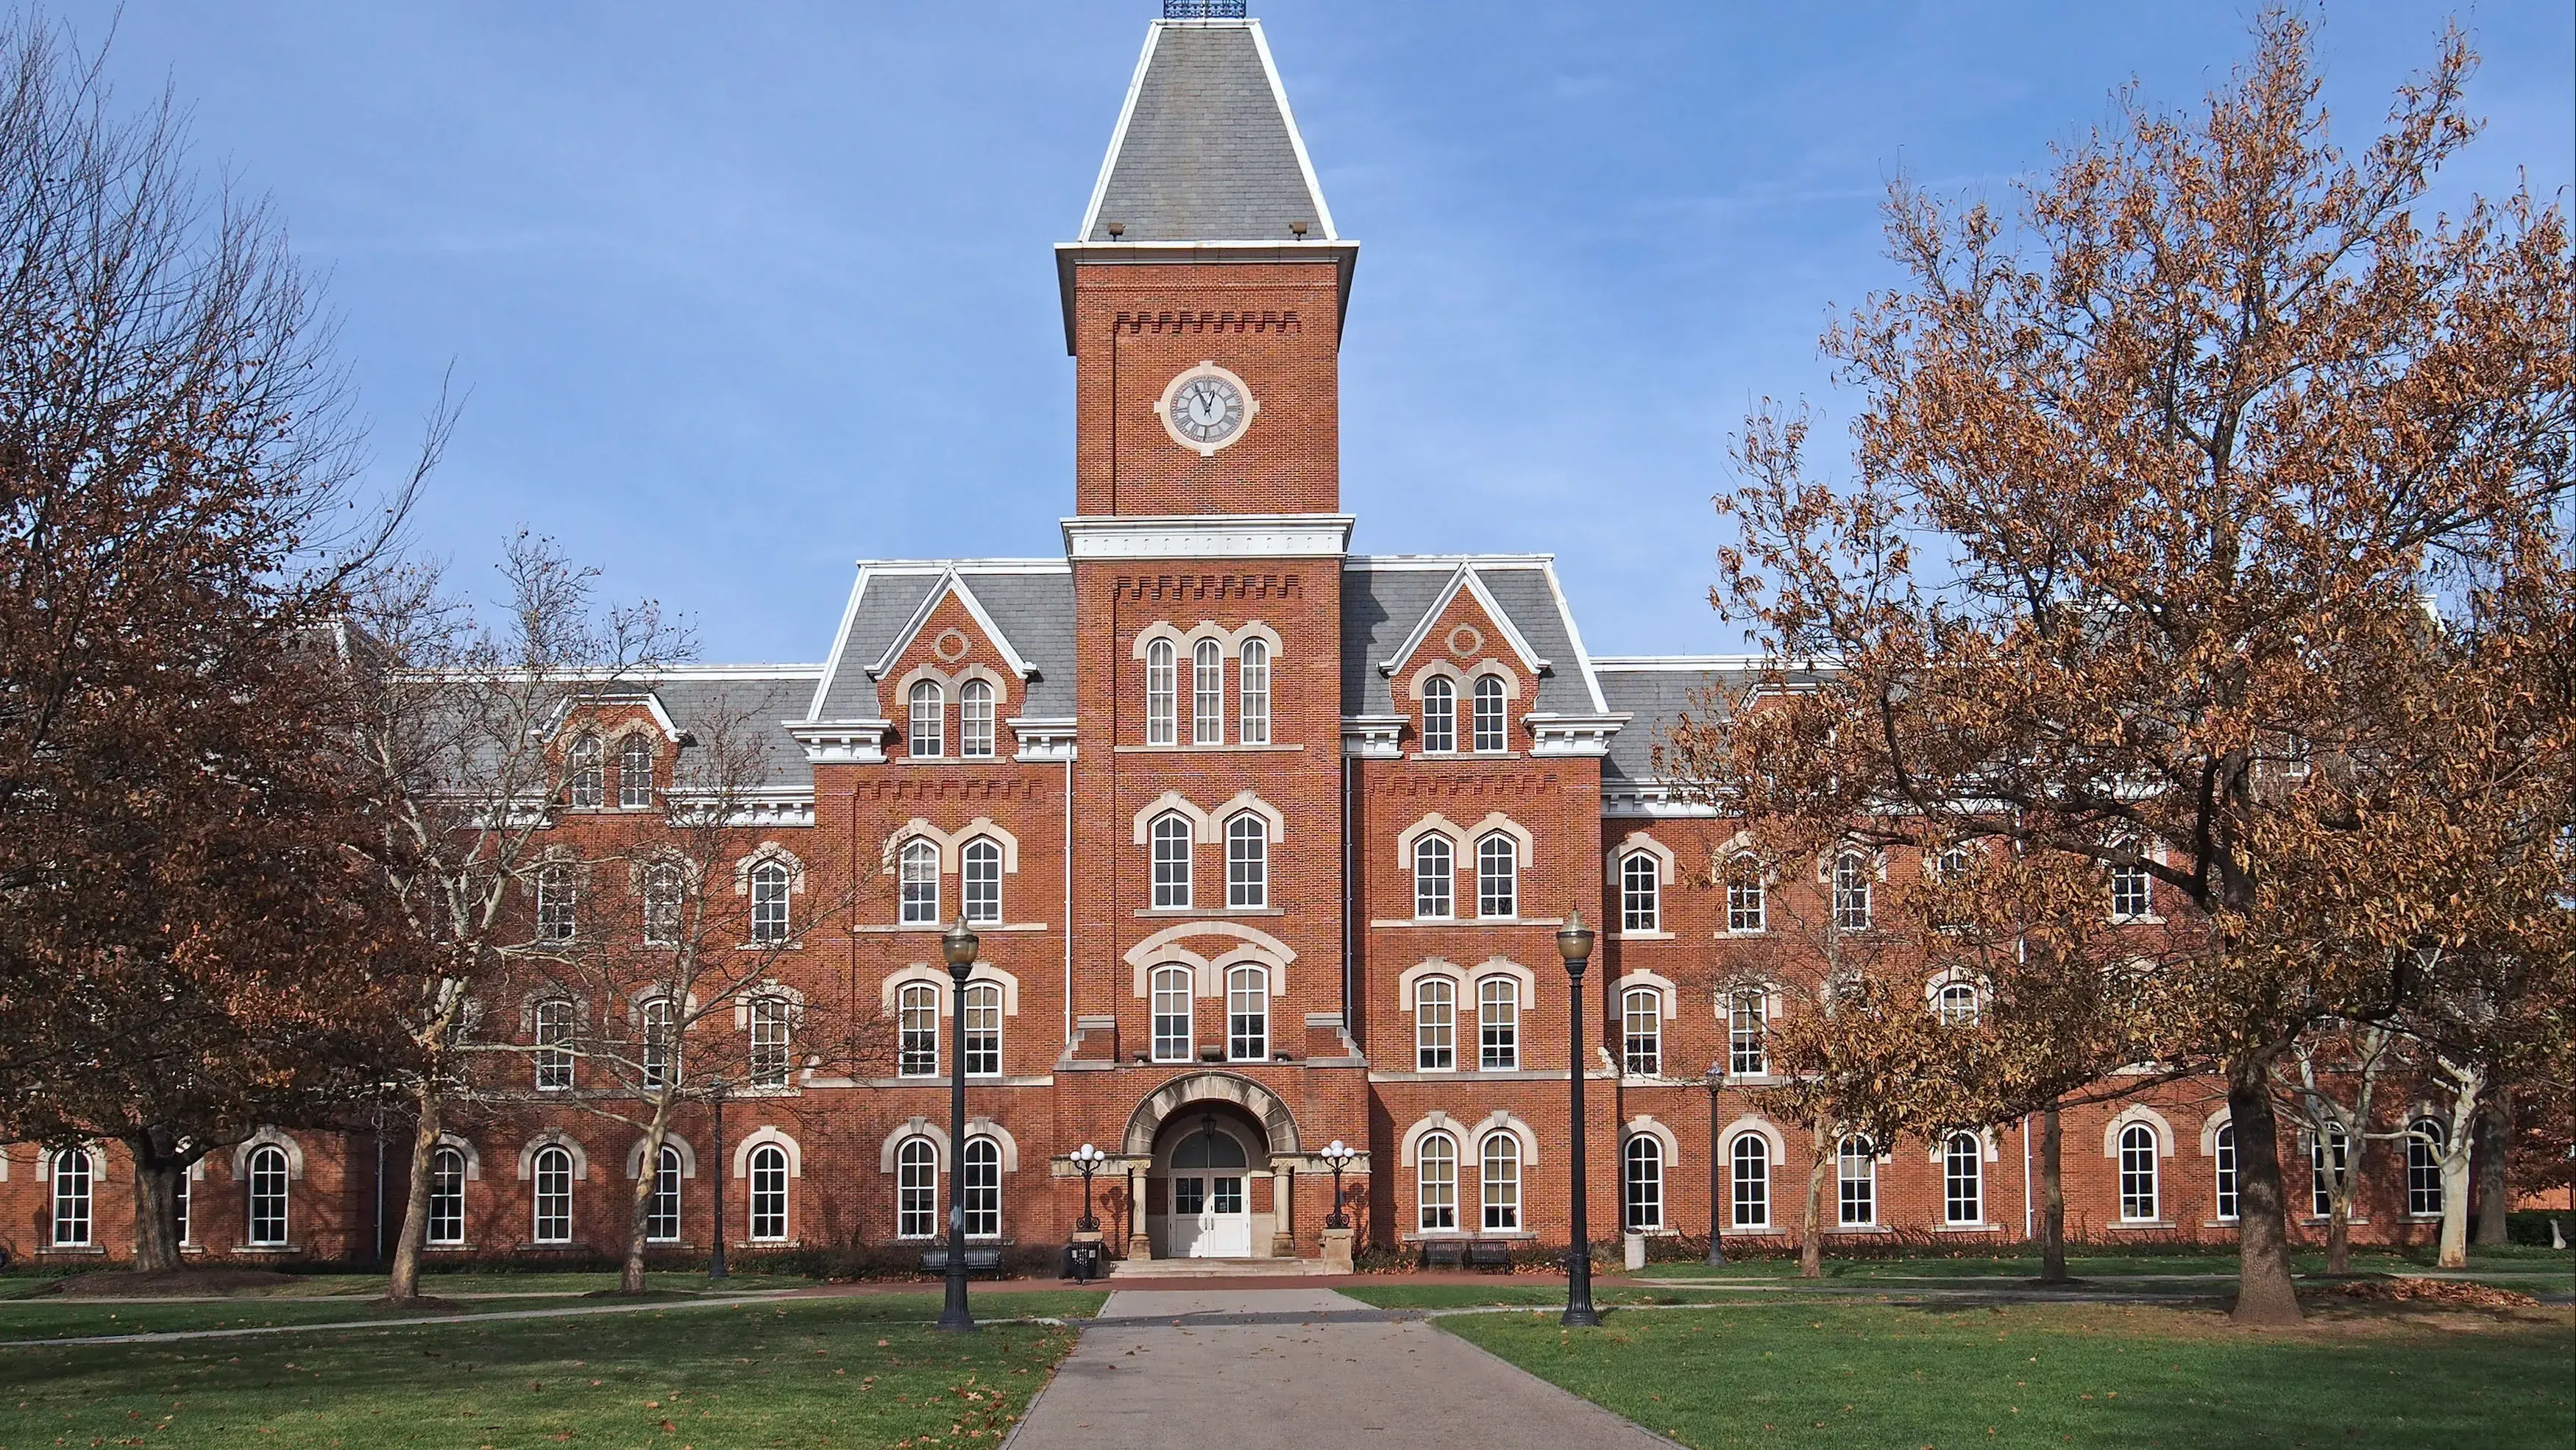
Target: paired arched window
(975, 719)
(979, 880)
(665, 899)
(1956, 1004)
(1207, 693)
(1435, 1024)
(770, 883)
(1436, 1178)
(1253, 688)
(1439, 716)
(1435, 877)
(1963, 1180)
(1162, 693)
(72, 1202)
(1744, 903)
(1247, 1014)
(1748, 1033)
(1851, 891)
(1491, 735)
(917, 1030)
(916, 1189)
(1247, 862)
(2424, 1140)
(768, 1193)
(553, 1034)
(585, 781)
(1640, 897)
(767, 1026)
(635, 772)
(1502, 1181)
(1498, 876)
(1750, 1157)
(2223, 1150)
(983, 1029)
(2326, 1167)
(659, 1021)
(558, 903)
(1641, 1021)
(1498, 1024)
(981, 1194)
(1172, 840)
(917, 876)
(926, 736)
(1643, 1180)
(1856, 1171)
(553, 1176)
(1173, 1012)
(446, 1197)
(2139, 1196)
(662, 1214)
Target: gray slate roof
(758, 704)
(1030, 601)
(1656, 695)
(1383, 599)
(1207, 151)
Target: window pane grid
(268, 1196)
(769, 1193)
(1437, 1157)
(1643, 1020)
(926, 738)
(916, 1189)
(1640, 908)
(587, 784)
(917, 1031)
(1162, 688)
(770, 883)
(553, 1196)
(1247, 1015)
(1435, 1025)
(975, 719)
(1645, 1184)
(2424, 1168)
(662, 1216)
(553, 1043)
(1498, 1024)
(1247, 862)
(1497, 877)
(1172, 842)
(1502, 1181)
(980, 881)
(635, 773)
(446, 1198)
(2226, 1160)
(1857, 1172)
(1490, 733)
(1752, 1181)
(1439, 715)
(1963, 1198)
(2322, 1178)
(1435, 878)
(768, 1042)
(1851, 892)
(1172, 1014)
(2138, 1173)
(1744, 904)
(1254, 688)
(1207, 694)
(918, 870)
(983, 1030)
(982, 1191)
(1746, 1034)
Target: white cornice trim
(1570, 734)
(841, 742)
(1209, 536)
(1373, 737)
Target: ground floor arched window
(1436, 1175)
(983, 1188)
(1644, 1182)
(1963, 1180)
(446, 1197)
(71, 1175)
(768, 1193)
(1751, 1158)
(2138, 1186)
(1502, 1181)
(1856, 1168)
(2223, 1152)
(553, 1176)
(2424, 1140)
(916, 1189)
(268, 1179)
(662, 1215)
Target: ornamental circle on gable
(1466, 641)
(950, 646)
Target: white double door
(1211, 1216)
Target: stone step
(1213, 1268)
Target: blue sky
(738, 294)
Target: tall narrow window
(1644, 1182)
(1641, 1018)
(983, 1029)
(180, 1204)
(1751, 1159)
(975, 719)
(553, 1034)
(768, 1042)
(2138, 1196)
(1173, 1006)
(1498, 877)
(2326, 1168)
(1744, 904)
(1436, 1173)
(1172, 842)
(1851, 892)
(558, 903)
(1498, 1024)
(1435, 1024)
(1640, 902)
(268, 1178)
(2224, 1148)
(665, 896)
(982, 1191)
(1435, 877)
(446, 1197)
(1247, 1014)
(770, 883)
(916, 1189)
(1963, 1180)
(917, 865)
(2129, 893)
(1748, 1033)
(1252, 688)
(1207, 694)
(1956, 1004)
(635, 772)
(1502, 1186)
(768, 1193)
(979, 884)
(1856, 1170)
(1490, 732)
(1247, 862)
(585, 781)
(659, 1020)
(917, 1030)
(2424, 1139)
(1162, 693)
(662, 1215)
(1439, 716)
(553, 1195)
(927, 739)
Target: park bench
(1466, 1254)
(978, 1261)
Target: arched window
(1751, 1158)
(554, 1044)
(1172, 1014)
(585, 782)
(2223, 1148)
(1491, 736)
(2138, 1195)
(768, 1028)
(980, 880)
(975, 719)
(1162, 693)
(983, 1029)
(917, 1030)
(446, 1197)
(1172, 841)
(1645, 1183)
(665, 895)
(662, 1215)
(1748, 1032)
(659, 1021)
(770, 882)
(1498, 877)
(558, 903)
(2424, 1139)
(1956, 1003)
(71, 1176)
(1435, 877)
(982, 1194)
(1247, 1014)
(1435, 1024)
(1498, 1024)
(1851, 892)
(1641, 1018)
(1253, 689)
(554, 1195)
(917, 867)
(1436, 1171)
(2326, 1168)
(180, 1194)
(1247, 862)
(1744, 904)
(2130, 900)
(927, 739)
(1207, 694)
(916, 1189)
(768, 1193)
(635, 772)
(1502, 1185)
(1439, 715)
(1856, 1169)
(1963, 1180)
(1640, 901)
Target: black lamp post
(1716, 1170)
(958, 947)
(1337, 1156)
(715, 1254)
(1574, 943)
(1088, 1159)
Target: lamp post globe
(1574, 944)
(1716, 1169)
(1086, 1161)
(1337, 1156)
(957, 946)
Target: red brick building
(1267, 844)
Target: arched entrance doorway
(1208, 1171)
(1217, 1157)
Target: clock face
(1207, 409)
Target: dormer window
(927, 738)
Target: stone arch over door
(1225, 1087)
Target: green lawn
(65, 1318)
(857, 1371)
(2052, 1375)
(2504, 1264)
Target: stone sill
(1968, 1228)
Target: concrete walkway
(1285, 1369)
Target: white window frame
(1498, 1024)
(1956, 1004)
(916, 1189)
(2132, 897)
(1641, 1032)
(771, 884)
(1498, 877)
(2320, 1186)
(635, 786)
(657, 1023)
(980, 1186)
(767, 1021)
(446, 1227)
(1435, 884)
(1492, 719)
(1640, 893)
(917, 882)
(1252, 693)
(1439, 716)
(2227, 1186)
(1853, 907)
(2424, 1141)
(916, 1030)
(662, 1213)
(1855, 1182)
(1435, 1024)
(1247, 1013)
(585, 777)
(975, 733)
(1172, 841)
(983, 1029)
(1247, 862)
(1749, 1181)
(979, 881)
(1963, 1192)
(1207, 693)
(550, 1172)
(2141, 1176)
(766, 1206)
(1747, 900)
(1435, 1170)
(666, 894)
(925, 734)
(551, 1025)
(1162, 693)
(558, 903)
(1175, 1004)
(1498, 1178)
(1641, 1179)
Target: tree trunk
(156, 1209)
(2467, 1088)
(403, 1284)
(2339, 1229)
(1811, 1244)
(639, 1217)
(2495, 1131)
(2052, 1198)
(2264, 1294)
